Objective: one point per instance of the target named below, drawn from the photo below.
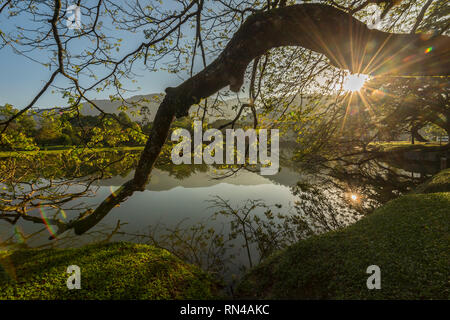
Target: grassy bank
(405, 145)
(108, 271)
(59, 149)
(408, 238)
(400, 146)
(438, 183)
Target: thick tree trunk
(417, 136)
(347, 42)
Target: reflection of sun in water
(354, 82)
(354, 197)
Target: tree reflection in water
(52, 190)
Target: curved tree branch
(347, 42)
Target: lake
(177, 209)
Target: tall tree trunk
(347, 42)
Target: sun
(354, 82)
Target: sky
(21, 79)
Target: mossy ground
(108, 271)
(408, 238)
(438, 183)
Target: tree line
(50, 128)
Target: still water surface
(171, 200)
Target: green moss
(108, 271)
(408, 238)
(438, 183)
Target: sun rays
(357, 95)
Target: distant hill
(140, 106)
(136, 106)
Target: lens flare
(18, 234)
(46, 222)
(428, 50)
(63, 214)
(113, 191)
